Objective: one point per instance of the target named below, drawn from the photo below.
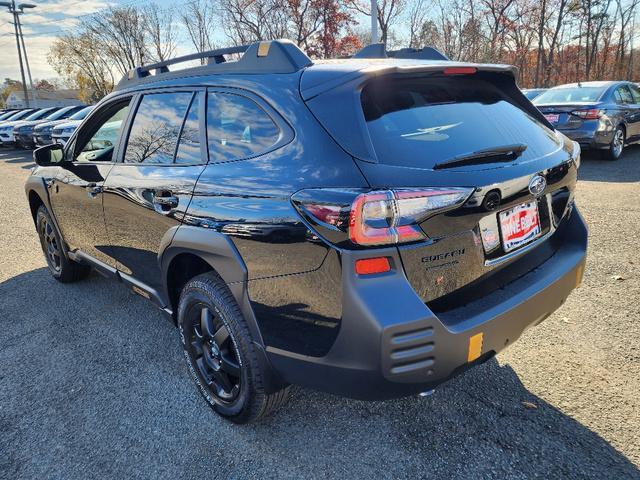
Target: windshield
(62, 113)
(422, 121)
(6, 115)
(531, 94)
(570, 94)
(19, 115)
(39, 114)
(81, 114)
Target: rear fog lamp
(370, 266)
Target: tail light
(383, 217)
(590, 114)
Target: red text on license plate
(519, 225)
(552, 117)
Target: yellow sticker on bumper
(475, 347)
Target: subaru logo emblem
(537, 185)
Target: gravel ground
(93, 383)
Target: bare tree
(120, 31)
(161, 36)
(198, 18)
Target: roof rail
(274, 56)
(377, 50)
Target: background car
(598, 115)
(23, 133)
(42, 131)
(61, 132)
(6, 126)
(532, 93)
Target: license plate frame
(552, 118)
(519, 225)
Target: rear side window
(422, 121)
(237, 128)
(156, 127)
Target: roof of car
(284, 57)
(592, 84)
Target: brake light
(370, 266)
(393, 216)
(590, 114)
(460, 70)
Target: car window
(156, 126)
(570, 94)
(237, 127)
(189, 143)
(106, 132)
(81, 114)
(63, 113)
(37, 115)
(625, 94)
(419, 121)
(635, 93)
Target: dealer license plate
(519, 225)
(552, 117)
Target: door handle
(164, 202)
(93, 190)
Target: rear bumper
(590, 138)
(391, 344)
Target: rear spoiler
(315, 82)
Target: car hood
(52, 123)
(13, 124)
(67, 124)
(30, 123)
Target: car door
(628, 110)
(635, 95)
(149, 189)
(76, 189)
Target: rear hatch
(460, 127)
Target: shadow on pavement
(624, 170)
(93, 379)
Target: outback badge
(537, 185)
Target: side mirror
(48, 155)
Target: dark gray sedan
(598, 115)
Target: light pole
(21, 7)
(12, 9)
(374, 21)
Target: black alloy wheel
(50, 244)
(212, 353)
(221, 353)
(61, 267)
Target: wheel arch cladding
(198, 250)
(34, 203)
(201, 250)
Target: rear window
(422, 121)
(570, 94)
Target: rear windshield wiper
(505, 153)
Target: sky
(41, 26)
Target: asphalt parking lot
(93, 382)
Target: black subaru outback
(368, 227)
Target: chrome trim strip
(520, 251)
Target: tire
(61, 267)
(220, 352)
(614, 151)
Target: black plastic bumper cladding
(391, 344)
